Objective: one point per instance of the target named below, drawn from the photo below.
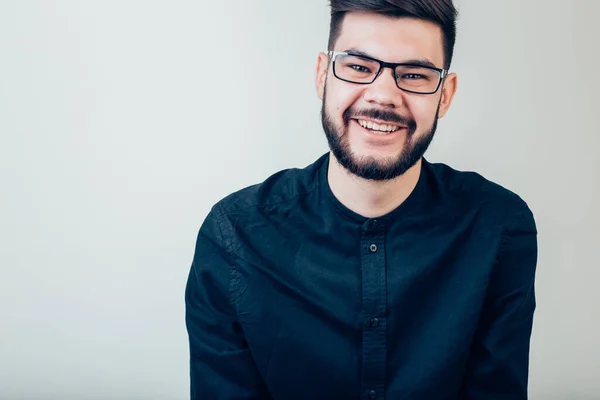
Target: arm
(221, 366)
(498, 364)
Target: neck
(370, 198)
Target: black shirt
(291, 295)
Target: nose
(383, 91)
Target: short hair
(440, 12)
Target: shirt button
(373, 248)
(374, 224)
(372, 394)
(374, 322)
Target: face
(365, 152)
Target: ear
(448, 91)
(322, 68)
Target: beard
(368, 167)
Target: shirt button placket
(374, 297)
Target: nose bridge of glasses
(382, 66)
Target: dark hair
(441, 12)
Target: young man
(372, 273)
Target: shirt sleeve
(498, 364)
(221, 365)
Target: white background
(122, 122)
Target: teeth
(377, 127)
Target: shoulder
(471, 190)
(282, 188)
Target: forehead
(392, 39)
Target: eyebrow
(421, 62)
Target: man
(372, 273)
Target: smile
(384, 128)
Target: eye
(359, 68)
(413, 76)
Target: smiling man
(372, 273)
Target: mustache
(383, 115)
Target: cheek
(339, 99)
(423, 111)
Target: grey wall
(122, 122)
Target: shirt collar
(413, 203)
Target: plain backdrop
(123, 122)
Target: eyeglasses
(363, 70)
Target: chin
(381, 160)
(384, 157)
